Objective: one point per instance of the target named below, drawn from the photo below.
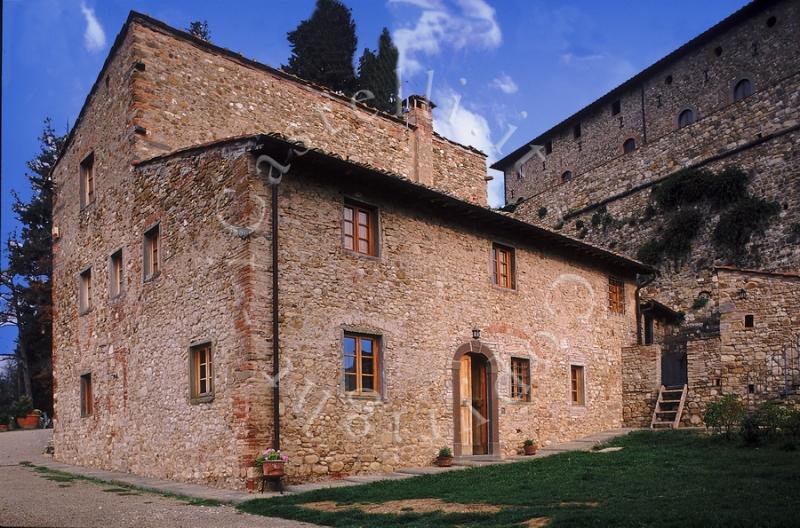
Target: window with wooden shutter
(503, 266)
(202, 373)
(115, 276)
(87, 402)
(85, 293)
(520, 379)
(577, 385)
(361, 364)
(152, 252)
(616, 295)
(360, 229)
(87, 180)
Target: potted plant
(4, 419)
(255, 473)
(445, 458)
(27, 416)
(530, 447)
(273, 463)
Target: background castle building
(409, 314)
(691, 164)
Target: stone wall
(641, 380)
(193, 93)
(702, 79)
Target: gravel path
(29, 498)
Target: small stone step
(666, 412)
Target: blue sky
(502, 71)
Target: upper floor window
(749, 321)
(566, 176)
(85, 294)
(87, 180)
(87, 402)
(152, 252)
(503, 266)
(629, 145)
(520, 379)
(360, 228)
(576, 131)
(616, 107)
(361, 364)
(616, 295)
(201, 382)
(743, 88)
(548, 147)
(685, 118)
(577, 385)
(115, 277)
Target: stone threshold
(197, 491)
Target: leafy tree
(26, 293)
(378, 74)
(323, 47)
(199, 29)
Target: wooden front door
(465, 389)
(480, 407)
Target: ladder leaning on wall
(669, 407)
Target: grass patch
(121, 490)
(670, 478)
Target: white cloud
(468, 127)
(467, 23)
(505, 84)
(94, 37)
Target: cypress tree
(378, 74)
(323, 47)
(26, 282)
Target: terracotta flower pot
(3, 428)
(444, 461)
(28, 422)
(274, 468)
(530, 450)
(255, 472)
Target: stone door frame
(476, 347)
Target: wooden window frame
(87, 181)
(377, 365)
(372, 228)
(505, 280)
(116, 274)
(198, 352)
(577, 385)
(151, 252)
(520, 379)
(86, 395)
(85, 291)
(616, 295)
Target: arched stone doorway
(475, 408)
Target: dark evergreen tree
(199, 29)
(26, 283)
(378, 74)
(323, 47)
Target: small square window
(749, 321)
(87, 180)
(152, 252)
(360, 229)
(616, 295)
(616, 107)
(548, 147)
(115, 274)
(85, 294)
(87, 402)
(503, 266)
(362, 364)
(576, 131)
(202, 373)
(577, 385)
(520, 379)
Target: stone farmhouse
(245, 260)
(722, 316)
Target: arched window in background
(629, 145)
(685, 118)
(743, 88)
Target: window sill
(357, 254)
(198, 400)
(85, 311)
(114, 299)
(363, 397)
(152, 278)
(504, 289)
(88, 207)
(515, 401)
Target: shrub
(700, 302)
(445, 452)
(792, 425)
(738, 224)
(649, 212)
(579, 225)
(794, 232)
(529, 442)
(751, 430)
(23, 406)
(724, 415)
(675, 241)
(542, 212)
(690, 186)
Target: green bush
(751, 431)
(691, 186)
(675, 241)
(542, 212)
(700, 302)
(738, 224)
(725, 415)
(23, 406)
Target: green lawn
(669, 478)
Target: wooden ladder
(669, 407)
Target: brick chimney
(419, 114)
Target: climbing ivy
(740, 222)
(691, 186)
(675, 240)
